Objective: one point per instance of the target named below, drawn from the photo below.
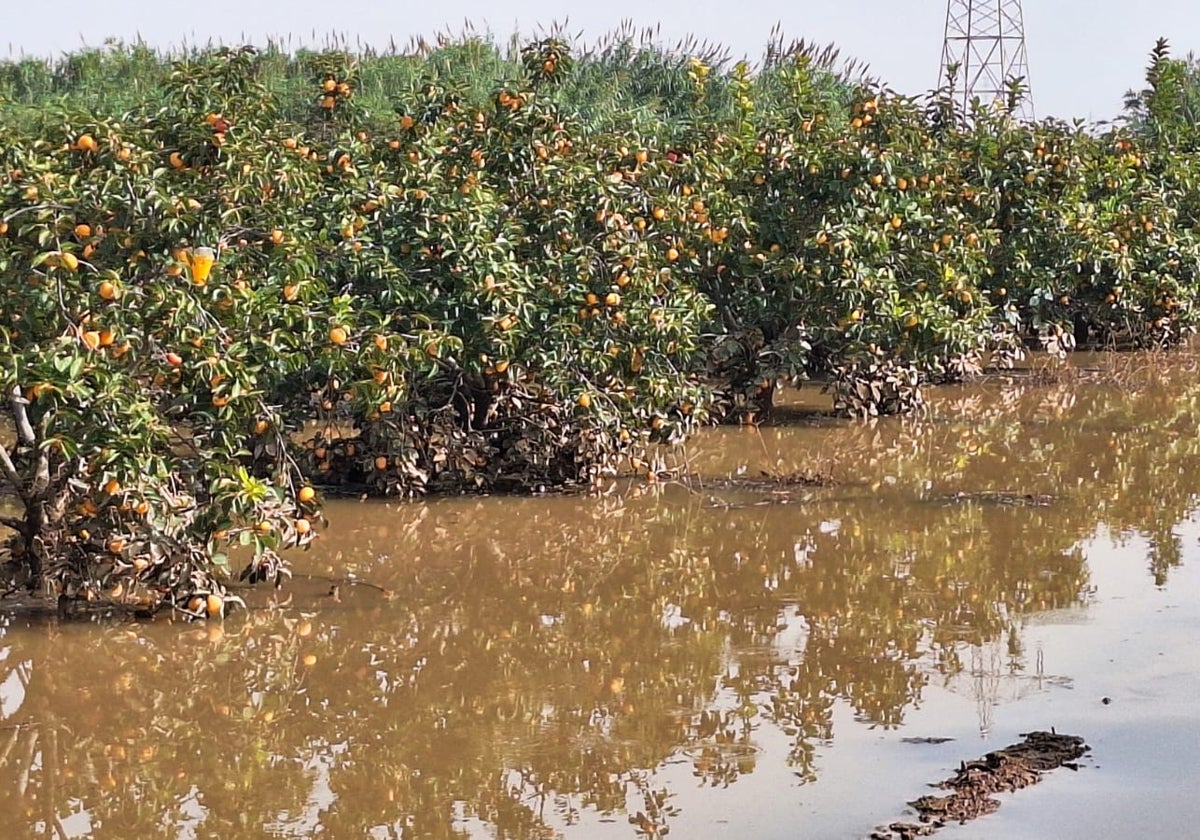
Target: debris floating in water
(972, 787)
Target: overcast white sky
(1083, 54)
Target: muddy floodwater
(737, 653)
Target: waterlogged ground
(730, 658)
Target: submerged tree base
(972, 787)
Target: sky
(1083, 54)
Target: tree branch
(10, 472)
(41, 482)
(26, 435)
(21, 416)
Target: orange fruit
(381, 462)
(306, 495)
(338, 335)
(584, 401)
(83, 231)
(87, 143)
(174, 359)
(277, 236)
(612, 299)
(329, 85)
(214, 605)
(176, 160)
(112, 487)
(303, 526)
(91, 339)
(107, 290)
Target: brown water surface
(723, 656)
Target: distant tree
(1168, 108)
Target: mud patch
(1002, 498)
(973, 787)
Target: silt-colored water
(727, 655)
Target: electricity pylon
(985, 45)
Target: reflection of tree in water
(527, 683)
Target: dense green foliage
(1167, 110)
(235, 275)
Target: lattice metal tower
(985, 39)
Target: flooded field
(737, 653)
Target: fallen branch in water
(973, 786)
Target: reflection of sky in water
(321, 796)
(12, 689)
(1132, 642)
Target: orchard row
(210, 306)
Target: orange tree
(860, 262)
(1085, 244)
(209, 307)
(508, 317)
(142, 261)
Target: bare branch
(10, 472)
(41, 482)
(16, 524)
(21, 416)
(41, 475)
